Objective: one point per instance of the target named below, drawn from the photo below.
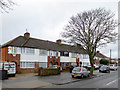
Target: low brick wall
(47, 72)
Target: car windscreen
(111, 65)
(76, 69)
(103, 67)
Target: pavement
(31, 80)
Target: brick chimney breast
(27, 35)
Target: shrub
(46, 71)
(104, 61)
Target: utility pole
(110, 55)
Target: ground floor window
(27, 65)
(85, 63)
(43, 64)
(73, 64)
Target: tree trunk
(92, 64)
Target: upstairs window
(81, 56)
(42, 52)
(50, 53)
(12, 50)
(74, 55)
(57, 54)
(28, 50)
(64, 54)
(85, 56)
(53, 53)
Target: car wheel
(13, 75)
(72, 76)
(108, 71)
(82, 76)
(89, 75)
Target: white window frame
(27, 65)
(27, 50)
(43, 63)
(50, 53)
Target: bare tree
(6, 5)
(91, 29)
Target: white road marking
(97, 89)
(111, 82)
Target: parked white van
(113, 66)
(9, 66)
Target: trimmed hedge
(47, 72)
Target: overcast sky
(46, 19)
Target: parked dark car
(89, 67)
(71, 68)
(104, 69)
(56, 66)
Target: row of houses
(30, 53)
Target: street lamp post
(110, 55)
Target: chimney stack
(26, 35)
(58, 41)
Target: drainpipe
(110, 55)
(5, 53)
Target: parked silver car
(104, 69)
(80, 72)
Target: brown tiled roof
(20, 41)
(42, 44)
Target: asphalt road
(109, 80)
